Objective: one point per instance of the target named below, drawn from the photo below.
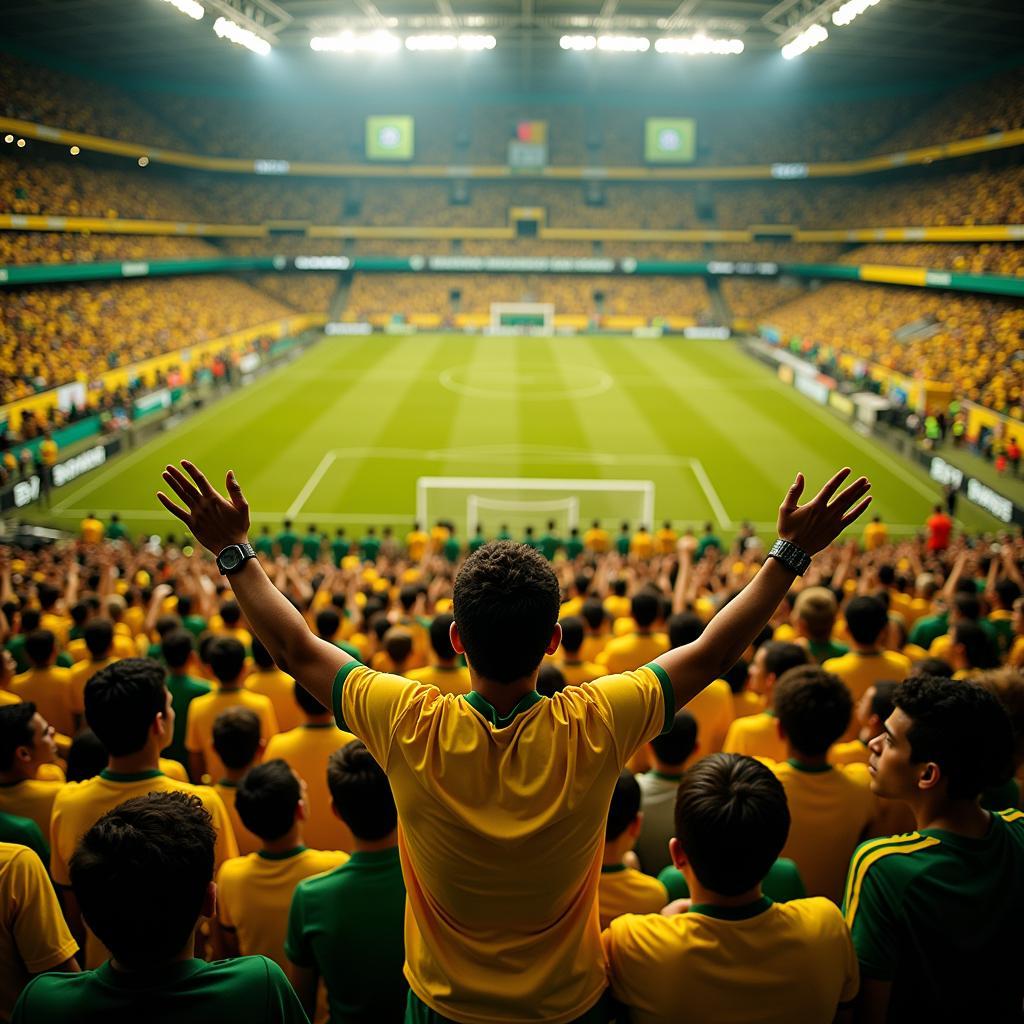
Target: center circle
(528, 385)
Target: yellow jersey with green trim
(31, 798)
(939, 916)
(756, 736)
(624, 890)
(33, 935)
(448, 680)
(629, 652)
(774, 963)
(501, 833)
(831, 808)
(279, 687)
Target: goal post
(519, 502)
(522, 318)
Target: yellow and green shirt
(938, 915)
(501, 833)
(774, 963)
(624, 890)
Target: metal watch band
(248, 551)
(792, 557)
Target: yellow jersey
(123, 648)
(58, 625)
(861, 671)
(246, 841)
(416, 542)
(746, 702)
(625, 890)
(79, 805)
(756, 736)
(307, 749)
(92, 530)
(597, 540)
(1016, 656)
(618, 607)
(627, 653)
(831, 809)
(576, 672)
(203, 712)
(784, 633)
(31, 798)
(641, 545)
(666, 540)
(280, 688)
(51, 691)
(502, 819)
(712, 708)
(454, 679)
(33, 935)
(593, 644)
(875, 536)
(254, 894)
(774, 963)
(8, 697)
(854, 752)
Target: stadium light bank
(233, 32)
(190, 8)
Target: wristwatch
(795, 559)
(233, 557)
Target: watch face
(231, 558)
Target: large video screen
(390, 137)
(670, 140)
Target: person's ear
(261, 749)
(453, 636)
(636, 825)
(676, 852)
(930, 777)
(209, 907)
(556, 639)
(301, 810)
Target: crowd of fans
(150, 745)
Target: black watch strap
(792, 557)
(233, 557)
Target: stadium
(511, 511)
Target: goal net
(522, 318)
(515, 503)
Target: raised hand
(815, 525)
(215, 521)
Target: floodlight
(850, 10)
(623, 44)
(349, 42)
(698, 45)
(802, 43)
(233, 32)
(577, 42)
(188, 7)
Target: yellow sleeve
(226, 846)
(34, 916)
(58, 862)
(734, 738)
(618, 944)
(225, 879)
(269, 721)
(637, 706)
(193, 743)
(372, 704)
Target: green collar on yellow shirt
(110, 776)
(733, 913)
(482, 705)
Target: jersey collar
(110, 776)
(800, 766)
(733, 913)
(483, 706)
(655, 774)
(612, 869)
(283, 855)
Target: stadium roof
(896, 41)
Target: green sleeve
(783, 882)
(873, 916)
(283, 1006)
(64, 660)
(675, 884)
(296, 948)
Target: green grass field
(341, 436)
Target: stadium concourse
(427, 592)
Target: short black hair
(1007, 591)
(676, 745)
(440, 636)
(266, 799)
(550, 679)
(593, 612)
(736, 676)
(177, 647)
(79, 613)
(307, 701)
(99, 636)
(328, 622)
(30, 620)
(732, 821)
(960, 726)
(15, 731)
(813, 707)
(408, 596)
(398, 645)
(87, 757)
(644, 608)
(230, 612)
(140, 875)
(506, 600)
(184, 605)
(121, 702)
(780, 656)
(978, 647)
(932, 667)
(39, 646)
(624, 807)
(866, 617)
(684, 628)
(47, 594)
(361, 792)
(260, 654)
(236, 737)
(881, 702)
(572, 633)
(967, 606)
(227, 658)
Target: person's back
(935, 913)
(346, 926)
(269, 681)
(47, 685)
(626, 653)
(143, 876)
(831, 806)
(254, 891)
(99, 640)
(713, 706)
(177, 649)
(239, 745)
(734, 955)
(444, 672)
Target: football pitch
(340, 437)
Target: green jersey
(476, 542)
(183, 690)
(348, 924)
(531, 542)
(549, 544)
(821, 651)
(311, 546)
(195, 624)
(24, 832)
(622, 543)
(115, 531)
(249, 988)
(709, 540)
(573, 548)
(452, 548)
(369, 548)
(927, 629)
(939, 916)
(286, 541)
(504, 535)
(339, 549)
(264, 544)
(782, 883)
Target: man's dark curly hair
(962, 728)
(506, 603)
(813, 707)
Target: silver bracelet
(792, 557)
